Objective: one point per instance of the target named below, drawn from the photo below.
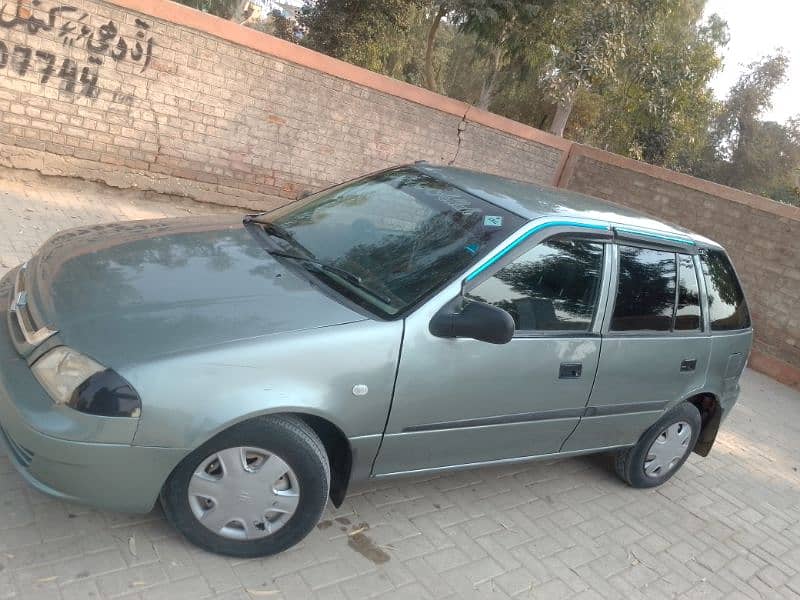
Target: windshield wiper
(351, 278)
(284, 234)
(273, 229)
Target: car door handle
(688, 364)
(570, 370)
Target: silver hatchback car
(243, 371)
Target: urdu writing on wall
(70, 28)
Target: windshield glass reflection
(402, 233)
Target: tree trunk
(240, 12)
(430, 78)
(490, 83)
(563, 111)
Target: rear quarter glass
(726, 302)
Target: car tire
(239, 489)
(662, 450)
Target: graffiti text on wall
(71, 28)
(98, 42)
(24, 59)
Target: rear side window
(552, 287)
(687, 314)
(646, 290)
(727, 309)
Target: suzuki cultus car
(242, 371)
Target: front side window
(645, 298)
(389, 240)
(552, 287)
(727, 308)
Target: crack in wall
(462, 125)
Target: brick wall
(128, 99)
(154, 95)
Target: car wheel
(253, 490)
(662, 449)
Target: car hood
(126, 292)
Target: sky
(757, 29)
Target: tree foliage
(629, 76)
(282, 27)
(587, 41)
(751, 154)
(657, 106)
(236, 10)
(498, 27)
(363, 32)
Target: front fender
(188, 398)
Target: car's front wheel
(255, 489)
(663, 448)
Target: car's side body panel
(729, 353)
(527, 411)
(637, 379)
(461, 401)
(640, 375)
(448, 412)
(188, 398)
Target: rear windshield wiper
(351, 278)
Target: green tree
(358, 31)
(739, 130)
(587, 40)
(499, 28)
(439, 10)
(235, 10)
(745, 152)
(658, 105)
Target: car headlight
(77, 381)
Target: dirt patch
(361, 543)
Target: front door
(655, 349)
(461, 401)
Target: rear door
(655, 346)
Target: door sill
(491, 463)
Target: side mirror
(472, 319)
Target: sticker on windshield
(492, 221)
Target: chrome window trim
(525, 240)
(527, 231)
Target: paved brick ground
(725, 526)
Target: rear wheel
(253, 490)
(662, 450)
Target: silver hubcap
(668, 449)
(243, 493)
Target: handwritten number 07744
(21, 57)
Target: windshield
(391, 239)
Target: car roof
(533, 201)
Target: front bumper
(56, 449)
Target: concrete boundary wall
(154, 95)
